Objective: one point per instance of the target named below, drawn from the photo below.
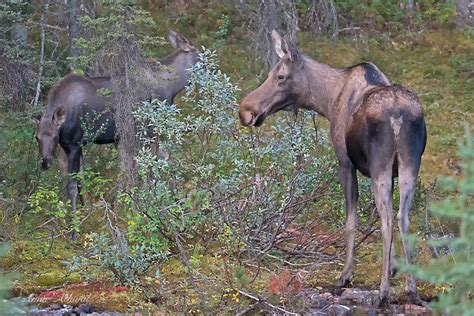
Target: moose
(77, 96)
(375, 127)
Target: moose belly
(357, 151)
(359, 160)
(369, 141)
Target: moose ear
(178, 41)
(277, 44)
(173, 38)
(59, 116)
(291, 50)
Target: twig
(355, 28)
(262, 301)
(57, 287)
(55, 27)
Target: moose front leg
(348, 178)
(74, 155)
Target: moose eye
(280, 77)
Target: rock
(64, 312)
(319, 302)
(55, 307)
(317, 312)
(365, 310)
(394, 309)
(84, 309)
(359, 297)
(338, 310)
(41, 312)
(327, 296)
(415, 309)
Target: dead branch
(260, 300)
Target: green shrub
(455, 271)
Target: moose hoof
(342, 283)
(393, 271)
(384, 302)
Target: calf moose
(75, 96)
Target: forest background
(229, 211)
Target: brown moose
(76, 95)
(375, 127)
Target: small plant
(223, 32)
(47, 203)
(108, 258)
(90, 125)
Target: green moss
(54, 277)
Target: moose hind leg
(348, 178)
(393, 262)
(407, 184)
(382, 187)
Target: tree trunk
(272, 25)
(322, 18)
(41, 57)
(280, 15)
(73, 31)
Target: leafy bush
(206, 179)
(108, 258)
(249, 185)
(123, 19)
(13, 16)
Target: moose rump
(384, 131)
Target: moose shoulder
(376, 128)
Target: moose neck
(324, 85)
(176, 76)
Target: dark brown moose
(376, 128)
(75, 96)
